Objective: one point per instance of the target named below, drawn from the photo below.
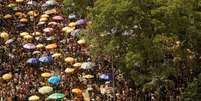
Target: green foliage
(147, 38)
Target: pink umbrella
(52, 23)
(58, 18)
(29, 46)
(48, 30)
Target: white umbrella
(87, 65)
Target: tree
(147, 38)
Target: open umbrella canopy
(46, 59)
(88, 76)
(51, 46)
(75, 33)
(46, 75)
(72, 16)
(29, 46)
(9, 41)
(54, 79)
(7, 76)
(51, 2)
(45, 89)
(69, 70)
(40, 46)
(59, 18)
(32, 3)
(4, 35)
(107, 76)
(87, 65)
(76, 91)
(77, 65)
(52, 23)
(50, 38)
(34, 98)
(51, 11)
(48, 30)
(81, 22)
(81, 41)
(36, 52)
(70, 60)
(32, 61)
(56, 96)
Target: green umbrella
(56, 96)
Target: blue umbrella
(106, 77)
(32, 61)
(47, 59)
(72, 16)
(54, 79)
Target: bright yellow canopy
(55, 55)
(77, 64)
(7, 76)
(24, 33)
(69, 70)
(28, 37)
(34, 98)
(40, 46)
(4, 35)
(70, 60)
(46, 75)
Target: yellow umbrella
(24, 20)
(34, 98)
(28, 37)
(19, 1)
(41, 23)
(45, 89)
(36, 33)
(68, 29)
(88, 76)
(7, 16)
(69, 70)
(44, 16)
(56, 55)
(4, 35)
(18, 13)
(43, 19)
(81, 42)
(24, 34)
(72, 24)
(51, 11)
(46, 75)
(77, 91)
(70, 60)
(51, 46)
(77, 64)
(40, 46)
(32, 13)
(7, 76)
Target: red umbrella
(59, 18)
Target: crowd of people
(37, 42)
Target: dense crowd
(21, 27)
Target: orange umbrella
(77, 91)
(44, 16)
(51, 46)
(24, 20)
(18, 13)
